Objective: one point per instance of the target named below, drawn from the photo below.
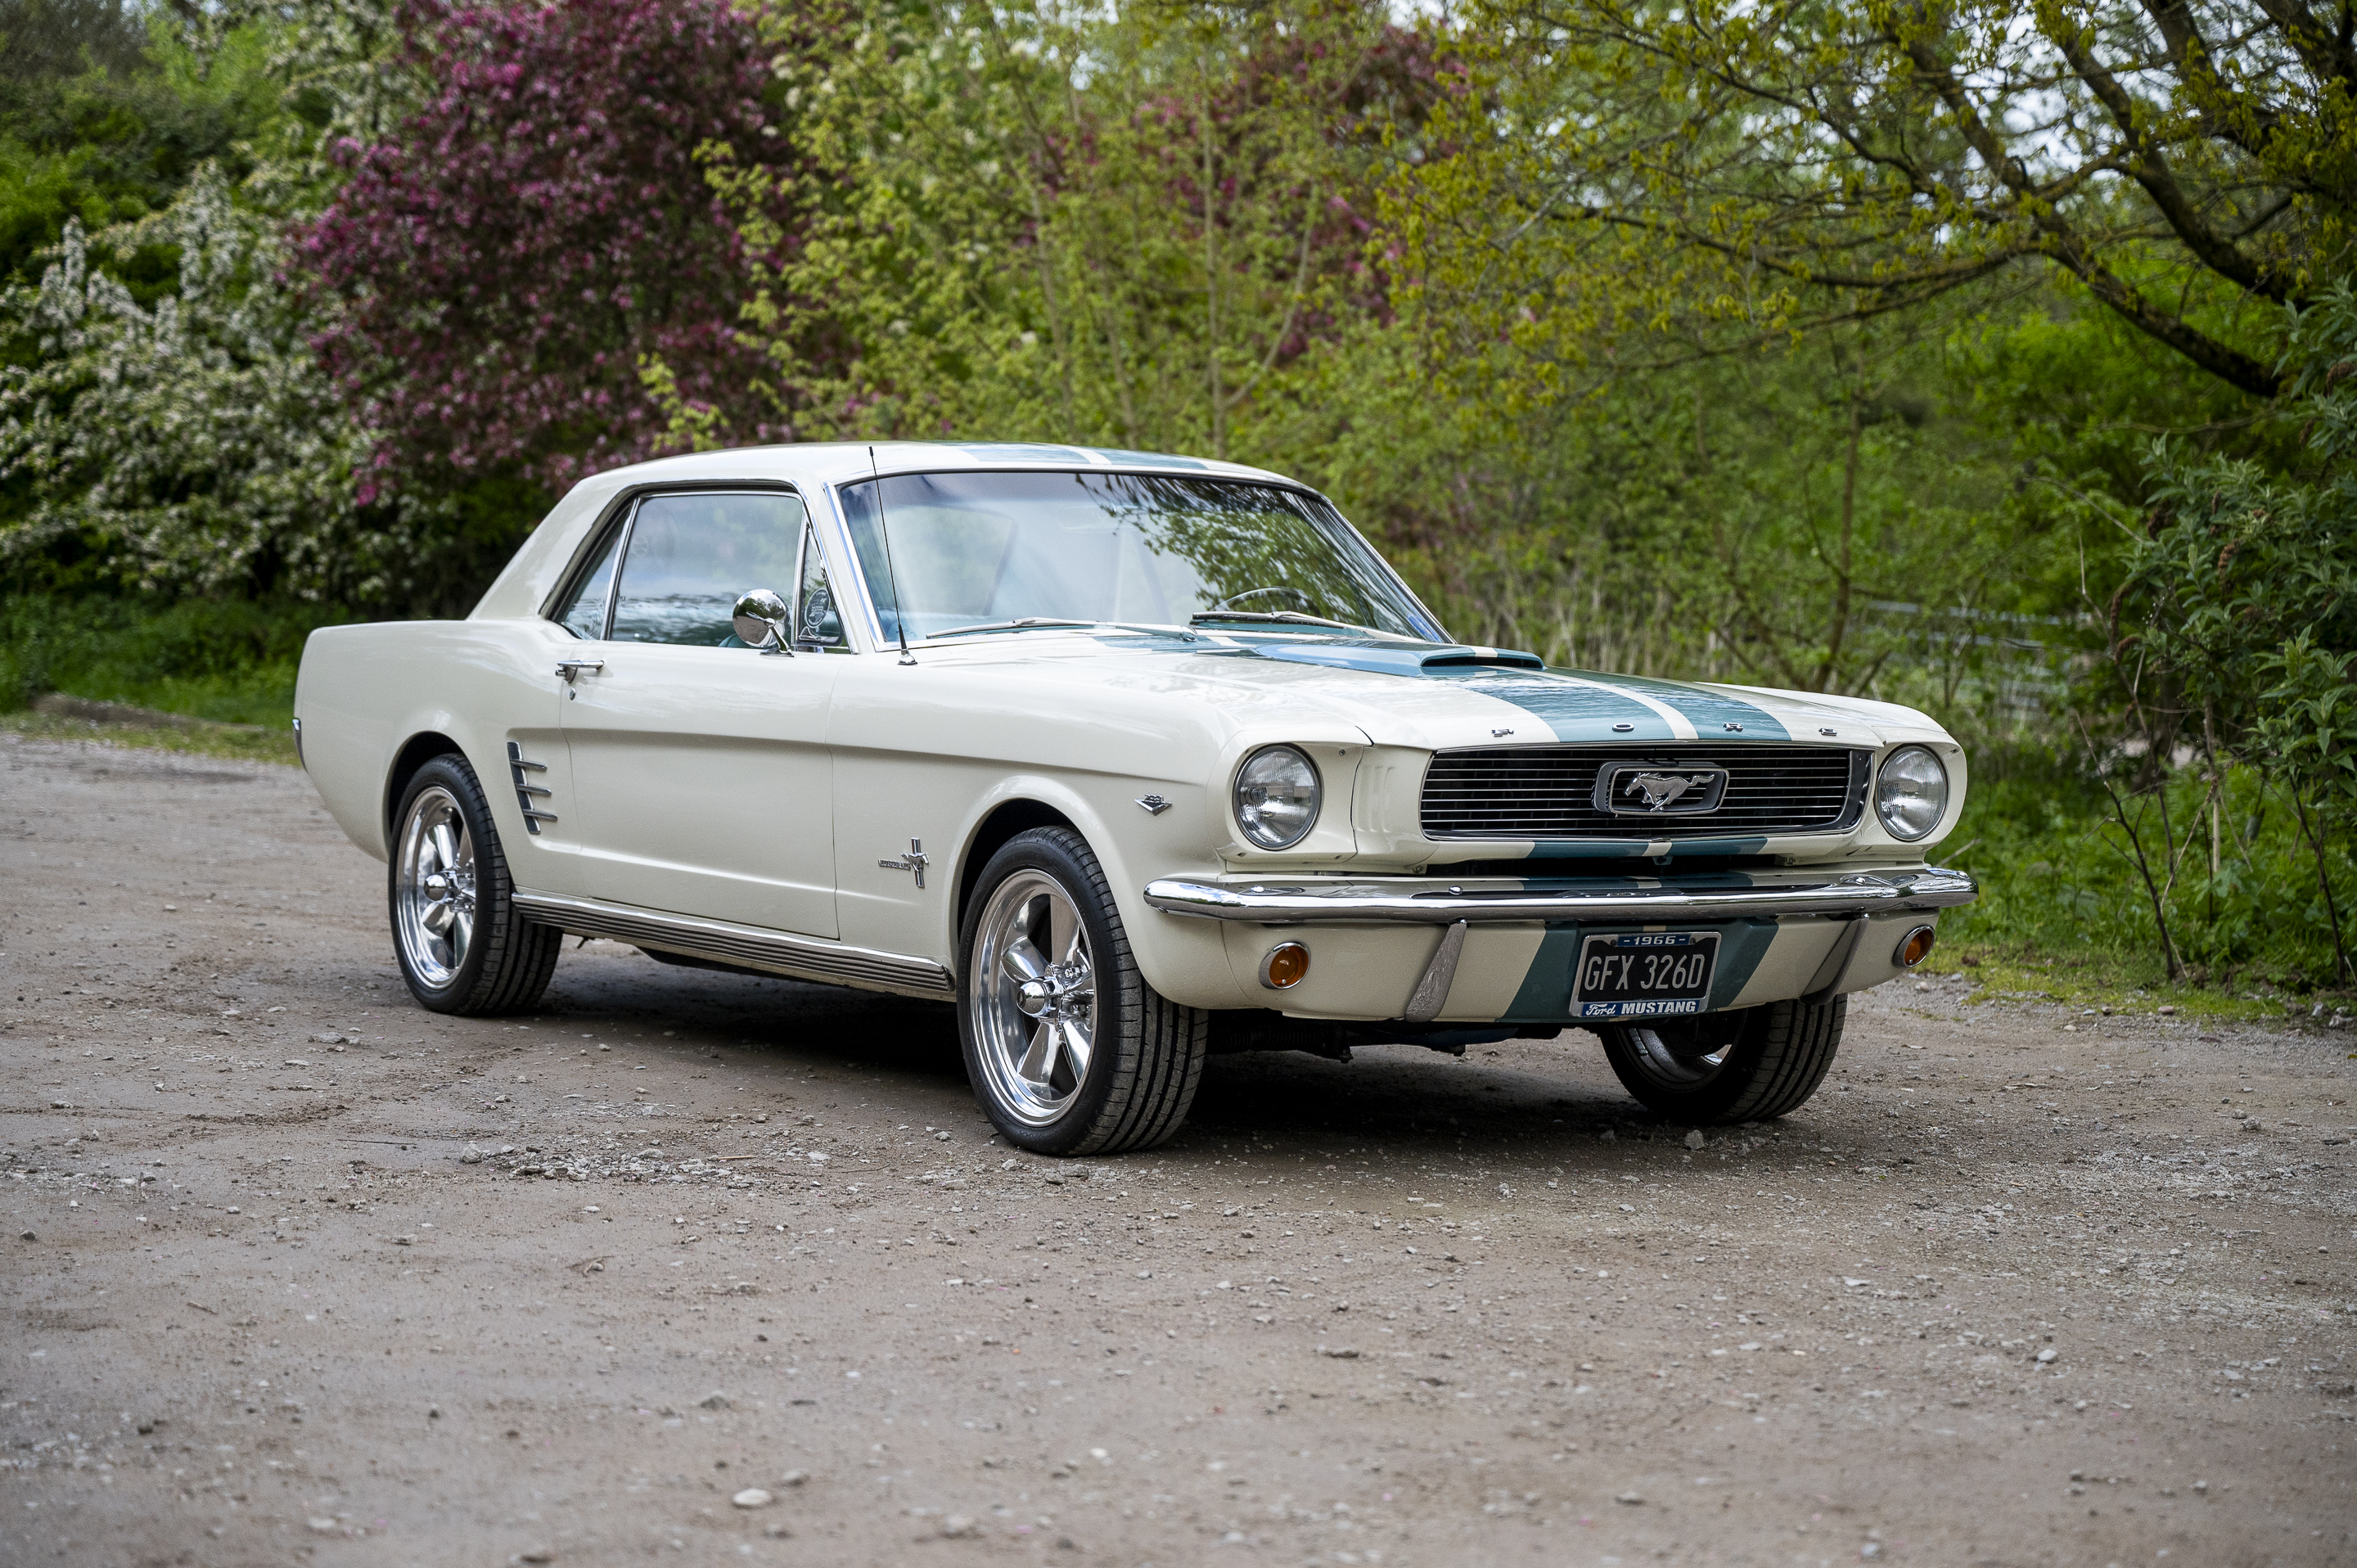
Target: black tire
(1747, 1065)
(484, 956)
(1144, 1052)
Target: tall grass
(229, 660)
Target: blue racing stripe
(1393, 659)
(1719, 846)
(1573, 710)
(1591, 849)
(1709, 712)
(1740, 952)
(1576, 705)
(1546, 994)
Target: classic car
(1132, 758)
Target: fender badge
(916, 860)
(1155, 804)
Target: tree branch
(2063, 245)
(2149, 168)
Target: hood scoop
(1393, 659)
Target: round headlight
(1912, 794)
(1276, 797)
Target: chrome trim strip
(1855, 893)
(799, 958)
(518, 764)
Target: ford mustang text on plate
(1134, 759)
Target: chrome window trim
(623, 512)
(622, 564)
(861, 623)
(814, 532)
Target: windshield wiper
(1020, 623)
(1286, 617)
(1032, 623)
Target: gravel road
(705, 1268)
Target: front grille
(1548, 792)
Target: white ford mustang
(1133, 758)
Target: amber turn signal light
(1284, 967)
(1914, 947)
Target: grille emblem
(1635, 788)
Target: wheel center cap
(1035, 996)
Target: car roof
(838, 462)
(531, 575)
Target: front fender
(1176, 956)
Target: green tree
(1766, 169)
(1060, 227)
(105, 113)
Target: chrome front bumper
(1601, 900)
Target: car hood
(1423, 694)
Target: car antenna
(899, 613)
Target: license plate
(1644, 974)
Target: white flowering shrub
(194, 445)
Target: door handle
(569, 667)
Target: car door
(700, 768)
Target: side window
(585, 615)
(690, 558)
(817, 622)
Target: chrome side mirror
(763, 621)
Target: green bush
(2060, 879)
(226, 660)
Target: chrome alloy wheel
(1034, 996)
(1677, 1057)
(435, 915)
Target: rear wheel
(1745, 1066)
(463, 945)
(1069, 1051)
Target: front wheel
(1069, 1051)
(464, 947)
(1746, 1066)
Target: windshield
(967, 549)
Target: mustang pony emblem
(1659, 788)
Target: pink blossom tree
(536, 244)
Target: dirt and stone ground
(297, 1272)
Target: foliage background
(1997, 362)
